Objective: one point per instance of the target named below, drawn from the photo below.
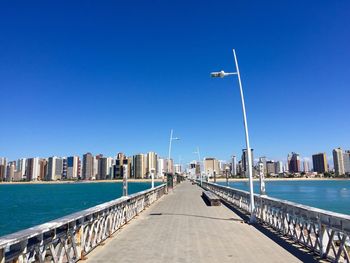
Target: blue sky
(110, 76)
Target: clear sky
(110, 76)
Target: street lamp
(222, 74)
(170, 142)
(152, 176)
(199, 161)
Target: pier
(182, 228)
(179, 226)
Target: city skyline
(124, 79)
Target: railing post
(2, 255)
(323, 239)
(79, 241)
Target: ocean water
(332, 195)
(27, 205)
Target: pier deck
(182, 228)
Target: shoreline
(280, 179)
(159, 180)
(84, 182)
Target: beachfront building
(319, 162)
(88, 166)
(73, 167)
(293, 160)
(338, 160)
(32, 169)
(139, 166)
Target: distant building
(118, 166)
(139, 166)
(51, 169)
(42, 169)
(3, 169)
(10, 173)
(177, 168)
(294, 163)
(33, 169)
(21, 169)
(161, 164)
(279, 167)
(151, 163)
(102, 168)
(270, 167)
(306, 166)
(263, 160)
(211, 165)
(73, 167)
(319, 162)
(88, 166)
(346, 159)
(234, 165)
(338, 160)
(245, 160)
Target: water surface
(27, 205)
(333, 195)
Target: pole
(152, 176)
(125, 180)
(250, 172)
(199, 160)
(169, 153)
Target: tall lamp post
(170, 142)
(223, 74)
(199, 161)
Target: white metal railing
(70, 238)
(324, 232)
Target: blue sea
(27, 205)
(333, 195)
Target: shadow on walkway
(206, 217)
(295, 249)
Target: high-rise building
(3, 170)
(151, 163)
(139, 166)
(21, 169)
(32, 169)
(294, 163)
(319, 162)
(118, 166)
(73, 167)
(279, 167)
(211, 165)
(270, 167)
(42, 169)
(51, 169)
(177, 168)
(102, 168)
(338, 160)
(263, 160)
(245, 159)
(306, 166)
(10, 174)
(234, 165)
(346, 159)
(88, 166)
(64, 168)
(161, 165)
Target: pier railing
(70, 238)
(324, 232)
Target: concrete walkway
(180, 227)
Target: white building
(161, 163)
(234, 166)
(73, 167)
(279, 167)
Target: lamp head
(219, 74)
